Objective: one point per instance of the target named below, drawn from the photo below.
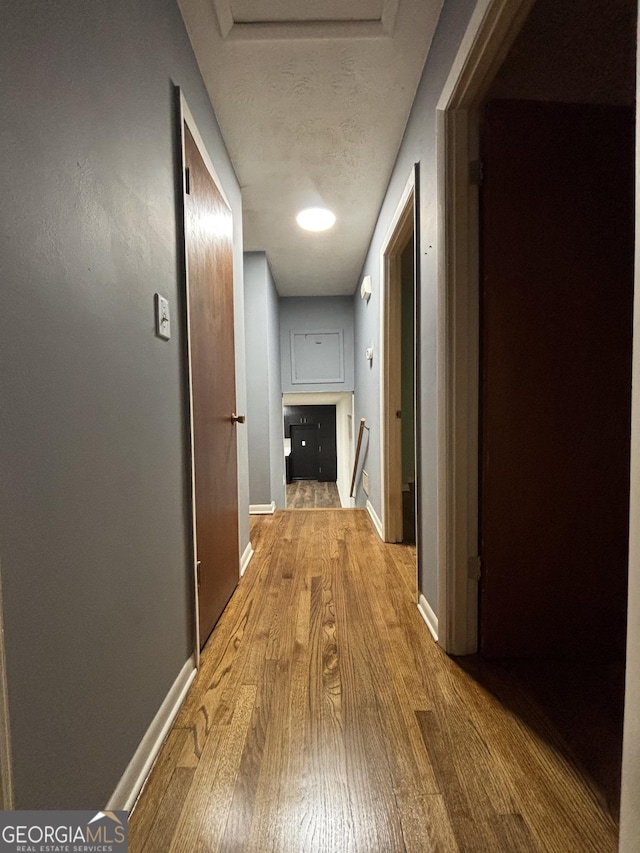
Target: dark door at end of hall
(304, 451)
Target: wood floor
(312, 494)
(324, 719)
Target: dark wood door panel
(209, 250)
(557, 247)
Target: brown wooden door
(557, 247)
(209, 256)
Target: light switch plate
(163, 320)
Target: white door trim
(390, 441)
(6, 768)
(492, 30)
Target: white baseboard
(376, 521)
(262, 509)
(426, 611)
(246, 559)
(138, 769)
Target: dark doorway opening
(312, 432)
(408, 391)
(556, 243)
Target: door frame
(342, 400)
(398, 234)
(492, 30)
(186, 117)
(404, 224)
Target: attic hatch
(276, 19)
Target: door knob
(237, 419)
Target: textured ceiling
(312, 97)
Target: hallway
(324, 718)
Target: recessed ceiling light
(315, 219)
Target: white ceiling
(312, 97)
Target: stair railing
(357, 459)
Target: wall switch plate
(163, 320)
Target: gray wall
(276, 422)
(255, 265)
(94, 509)
(264, 398)
(418, 145)
(316, 314)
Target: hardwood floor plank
(281, 769)
(350, 735)
(220, 798)
(425, 824)
(251, 765)
(203, 816)
(409, 760)
(261, 533)
(219, 654)
(404, 558)
(463, 767)
(512, 833)
(158, 838)
(261, 770)
(202, 703)
(410, 766)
